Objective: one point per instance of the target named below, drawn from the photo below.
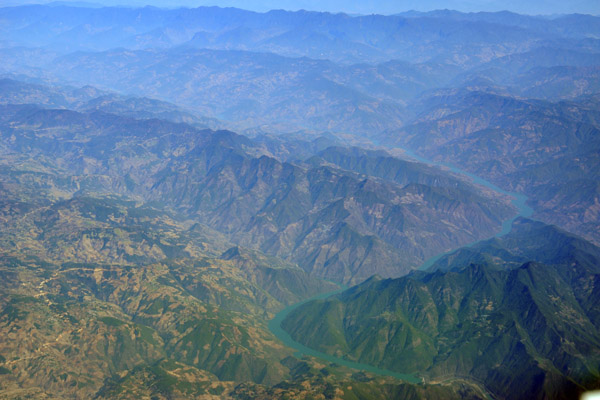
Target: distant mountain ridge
(384, 7)
(90, 98)
(301, 33)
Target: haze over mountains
(170, 179)
(370, 77)
(543, 7)
(336, 223)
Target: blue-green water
(275, 328)
(523, 210)
(519, 202)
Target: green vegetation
(509, 325)
(145, 248)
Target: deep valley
(214, 203)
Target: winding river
(523, 210)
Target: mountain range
(291, 73)
(516, 315)
(146, 289)
(335, 220)
(543, 149)
(174, 182)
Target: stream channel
(523, 210)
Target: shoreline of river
(523, 210)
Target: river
(275, 328)
(523, 210)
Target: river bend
(523, 210)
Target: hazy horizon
(536, 7)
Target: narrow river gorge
(523, 210)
